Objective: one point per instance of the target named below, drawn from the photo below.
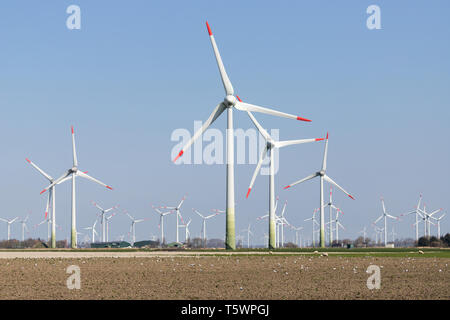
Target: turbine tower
(323, 176)
(74, 172)
(94, 232)
(230, 102)
(271, 145)
(133, 225)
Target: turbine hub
(230, 100)
(74, 169)
(321, 173)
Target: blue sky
(136, 72)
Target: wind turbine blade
(198, 213)
(327, 178)
(378, 219)
(255, 173)
(84, 175)
(214, 115)
(181, 202)
(48, 205)
(281, 144)
(40, 170)
(258, 126)
(302, 180)
(74, 151)
(325, 155)
(242, 106)
(4, 220)
(223, 74)
(55, 182)
(96, 205)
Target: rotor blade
(223, 74)
(250, 107)
(181, 202)
(378, 219)
(327, 178)
(303, 180)
(74, 151)
(261, 130)
(325, 155)
(55, 182)
(258, 167)
(198, 213)
(96, 205)
(214, 115)
(48, 205)
(40, 170)
(84, 175)
(4, 220)
(382, 203)
(280, 144)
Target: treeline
(30, 243)
(433, 241)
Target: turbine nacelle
(230, 100)
(321, 173)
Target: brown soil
(226, 277)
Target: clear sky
(136, 71)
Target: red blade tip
(28, 160)
(71, 128)
(327, 135)
(238, 98)
(319, 139)
(248, 192)
(109, 187)
(179, 155)
(286, 187)
(351, 197)
(303, 119)
(43, 191)
(209, 29)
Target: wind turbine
(204, 223)
(107, 225)
(23, 222)
(331, 206)
(271, 145)
(384, 216)
(338, 225)
(427, 219)
(393, 234)
(298, 240)
(230, 102)
(133, 225)
(51, 199)
(323, 176)
(186, 230)
(74, 172)
(417, 215)
(178, 214)
(438, 220)
(249, 232)
(9, 223)
(363, 231)
(103, 219)
(161, 222)
(313, 222)
(94, 232)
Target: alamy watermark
(74, 281)
(374, 281)
(210, 147)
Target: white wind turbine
(363, 231)
(161, 222)
(23, 222)
(298, 240)
(204, 223)
(331, 206)
(269, 150)
(438, 221)
(103, 219)
(187, 234)
(178, 214)
(417, 215)
(249, 232)
(74, 172)
(323, 176)
(107, 225)
(230, 102)
(384, 216)
(313, 223)
(133, 225)
(51, 200)
(427, 219)
(94, 232)
(338, 225)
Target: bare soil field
(225, 277)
